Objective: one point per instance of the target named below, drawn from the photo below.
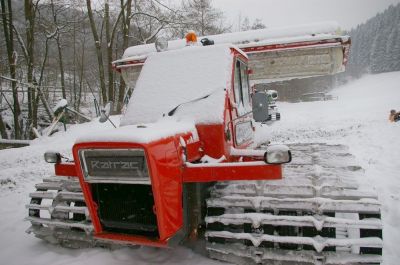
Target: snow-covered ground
(359, 119)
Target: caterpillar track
(59, 215)
(315, 215)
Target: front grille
(126, 208)
(114, 165)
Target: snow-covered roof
(197, 76)
(268, 36)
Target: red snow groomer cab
(184, 163)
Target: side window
(238, 85)
(243, 129)
(245, 87)
(241, 86)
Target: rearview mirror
(260, 106)
(277, 154)
(52, 157)
(105, 112)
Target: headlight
(277, 154)
(52, 157)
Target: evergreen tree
(376, 44)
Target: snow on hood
(196, 76)
(142, 133)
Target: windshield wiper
(172, 112)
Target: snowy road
(357, 119)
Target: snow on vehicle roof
(278, 35)
(195, 76)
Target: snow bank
(197, 76)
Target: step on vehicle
(182, 167)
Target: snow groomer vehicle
(183, 167)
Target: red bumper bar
(231, 171)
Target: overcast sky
(348, 13)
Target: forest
(376, 44)
(53, 49)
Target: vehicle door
(242, 122)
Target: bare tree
(81, 68)
(258, 24)
(30, 16)
(148, 21)
(126, 25)
(55, 51)
(246, 25)
(3, 128)
(203, 18)
(59, 48)
(97, 43)
(7, 18)
(110, 38)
